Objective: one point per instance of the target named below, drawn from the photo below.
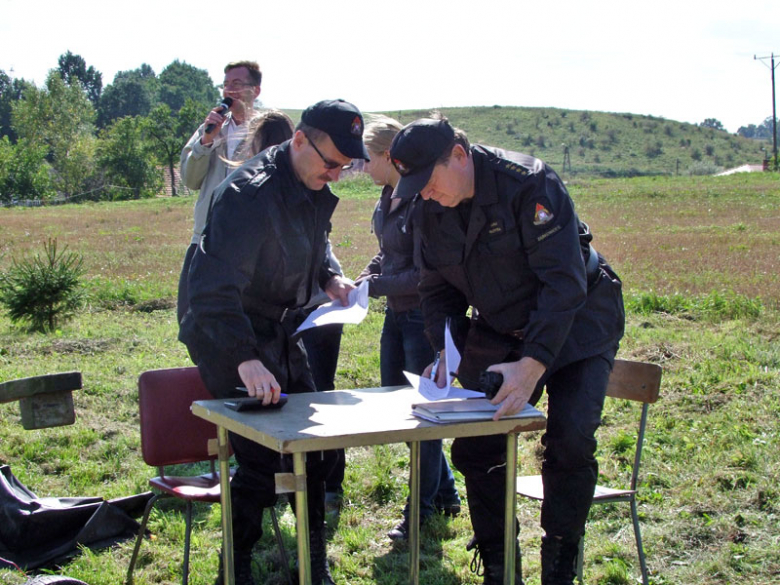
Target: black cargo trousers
(252, 488)
(576, 395)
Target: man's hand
(259, 381)
(339, 287)
(216, 118)
(440, 372)
(520, 380)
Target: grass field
(700, 259)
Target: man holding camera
(496, 231)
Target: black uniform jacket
(519, 258)
(397, 275)
(263, 251)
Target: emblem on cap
(402, 169)
(357, 126)
(542, 215)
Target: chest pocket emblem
(542, 215)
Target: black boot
(242, 568)
(488, 560)
(320, 571)
(559, 561)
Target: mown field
(700, 259)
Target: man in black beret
(263, 252)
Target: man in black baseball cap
(263, 253)
(497, 231)
(415, 151)
(342, 122)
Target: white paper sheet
(335, 312)
(451, 354)
(428, 389)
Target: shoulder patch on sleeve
(542, 215)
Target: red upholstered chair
(172, 435)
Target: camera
(489, 383)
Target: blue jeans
(404, 346)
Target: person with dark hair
(496, 231)
(203, 160)
(262, 255)
(404, 347)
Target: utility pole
(774, 114)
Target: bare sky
(682, 60)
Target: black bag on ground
(37, 532)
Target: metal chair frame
(638, 381)
(165, 397)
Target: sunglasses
(329, 164)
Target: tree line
(74, 138)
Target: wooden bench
(45, 401)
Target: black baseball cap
(340, 120)
(415, 150)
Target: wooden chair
(172, 435)
(636, 381)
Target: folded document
(464, 410)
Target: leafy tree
(168, 132)
(60, 117)
(24, 173)
(761, 132)
(747, 131)
(712, 123)
(43, 292)
(10, 93)
(180, 80)
(133, 93)
(73, 69)
(130, 166)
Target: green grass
(699, 258)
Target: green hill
(600, 143)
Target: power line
(774, 114)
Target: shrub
(654, 150)
(701, 168)
(714, 306)
(42, 292)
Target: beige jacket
(203, 168)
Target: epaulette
(511, 168)
(516, 165)
(261, 177)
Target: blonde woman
(404, 346)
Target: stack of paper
(464, 410)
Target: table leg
(223, 453)
(302, 519)
(510, 513)
(414, 512)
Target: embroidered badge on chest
(542, 215)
